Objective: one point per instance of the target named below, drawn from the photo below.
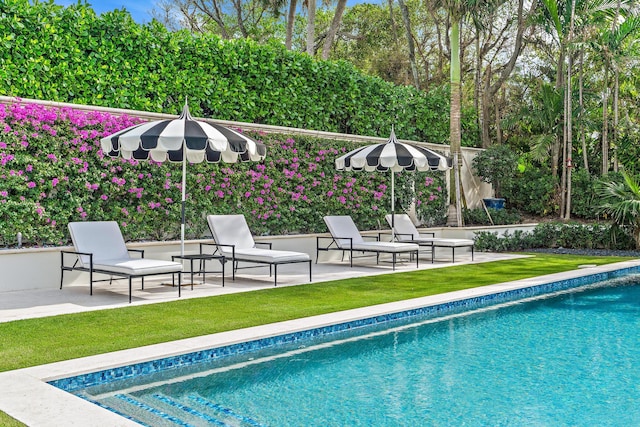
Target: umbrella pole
(184, 202)
(393, 208)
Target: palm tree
(621, 200)
(458, 10)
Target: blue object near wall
(494, 203)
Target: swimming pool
(563, 359)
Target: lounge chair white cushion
(341, 226)
(405, 230)
(104, 240)
(233, 230)
(268, 255)
(385, 247)
(452, 243)
(138, 266)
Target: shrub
(532, 192)
(584, 199)
(497, 166)
(499, 216)
(71, 54)
(558, 235)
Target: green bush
(499, 216)
(584, 199)
(532, 192)
(558, 235)
(497, 165)
(70, 54)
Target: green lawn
(32, 342)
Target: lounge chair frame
(335, 245)
(432, 242)
(236, 258)
(91, 270)
(99, 247)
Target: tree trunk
(605, 124)
(394, 30)
(455, 107)
(237, 5)
(555, 149)
(567, 162)
(410, 43)
(217, 15)
(616, 114)
(484, 112)
(478, 91)
(508, 68)
(333, 29)
(583, 139)
(290, 20)
(311, 27)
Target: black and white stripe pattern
(170, 139)
(393, 155)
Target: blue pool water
(564, 359)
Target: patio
(74, 297)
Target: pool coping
(26, 395)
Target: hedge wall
(69, 54)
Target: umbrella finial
(392, 137)
(185, 115)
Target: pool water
(566, 359)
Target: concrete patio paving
(75, 298)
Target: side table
(202, 258)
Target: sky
(140, 10)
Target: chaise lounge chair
(233, 239)
(100, 248)
(405, 231)
(346, 237)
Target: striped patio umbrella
(183, 140)
(393, 156)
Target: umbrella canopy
(393, 156)
(182, 140)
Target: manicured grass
(7, 421)
(32, 342)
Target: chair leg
(275, 275)
(130, 288)
(180, 284)
(222, 263)
(310, 271)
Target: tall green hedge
(69, 54)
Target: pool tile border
(79, 382)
